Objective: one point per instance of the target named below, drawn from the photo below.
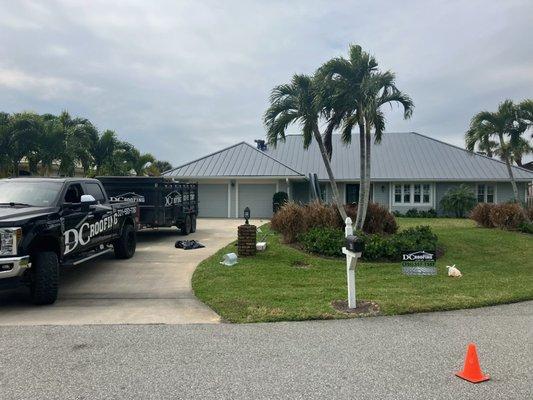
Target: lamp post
(247, 215)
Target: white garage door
(213, 200)
(258, 197)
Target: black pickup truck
(48, 222)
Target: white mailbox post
(351, 263)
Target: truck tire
(126, 244)
(187, 225)
(193, 223)
(44, 278)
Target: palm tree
(357, 91)
(504, 123)
(5, 162)
(23, 132)
(163, 166)
(297, 102)
(137, 161)
(104, 151)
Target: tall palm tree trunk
(333, 183)
(359, 221)
(368, 150)
(505, 154)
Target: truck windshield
(36, 194)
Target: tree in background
(298, 102)
(162, 166)
(354, 92)
(459, 200)
(69, 142)
(506, 126)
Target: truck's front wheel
(44, 277)
(126, 244)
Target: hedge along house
(409, 170)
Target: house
(409, 170)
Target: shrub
(507, 215)
(459, 200)
(431, 213)
(529, 213)
(289, 221)
(378, 219)
(526, 227)
(278, 200)
(323, 241)
(412, 213)
(481, 214)
(329, 242)
(322, 215)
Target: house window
(485, 193)
(412, 194)
(407, 193)
(397, 193)
(426, 194)
(417, 193)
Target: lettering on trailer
(130, 196)
(419, 263)
(174, 198)
(85, 232)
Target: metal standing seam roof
(399, 156)
(241, 159)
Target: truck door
(102, 213)
(72, 219)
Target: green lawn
(286, 284)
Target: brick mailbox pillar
(246, 240)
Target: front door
(352, 193)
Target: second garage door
(213, 200)
(258, 197)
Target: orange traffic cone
(472, 371)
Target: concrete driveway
(154, 287)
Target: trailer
(163, 201)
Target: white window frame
(485, 192)
(412, 194)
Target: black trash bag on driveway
(188, 245)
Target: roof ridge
(206, 156)
(470, 152)
(273, 158)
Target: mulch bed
(364, 308)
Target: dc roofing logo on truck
(84, 233)
(130, 196)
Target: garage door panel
(258, 197)
(213, 200)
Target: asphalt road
(404, 357)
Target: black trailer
(162, 201)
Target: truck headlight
(9, 240)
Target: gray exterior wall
(380, 191)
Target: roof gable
(241, 159)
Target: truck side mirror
(87, 200)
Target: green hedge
(329, 242)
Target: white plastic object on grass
(261, 246)
(454, 272)
(229, 259)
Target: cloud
(180, 79)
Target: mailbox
(354, 244)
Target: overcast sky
(180, 79)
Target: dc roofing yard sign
(419, 263)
